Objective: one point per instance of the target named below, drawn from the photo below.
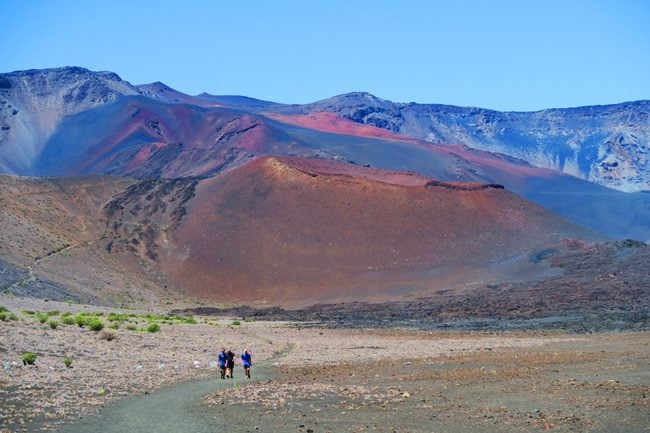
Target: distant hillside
(71, 121)
(298, 230)
(608, 144)
(33, 103)
(281, 230)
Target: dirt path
(177, 408)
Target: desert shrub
(96, 325)
(29, 358)
(82, 319)
(67, 320)
(107, 335)
(68, 361)
(114, 317)
(3, 309)
(131, 327)
(12, 316)
(3, 316)
(153, 327)
(114, 325)
(191, 320)
(28, 312)
(66, 314)
(54, 324)
(53, 313)
(235, 323)
(42, 317)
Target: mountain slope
(32, 103)
(52, 244)
(608, 145)
(73, 121)
(283, 229)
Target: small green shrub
(3, 309)
(54, 324)
(114, 317)
(42, 317)
(96, 325)
(132, 327)
(68, 361)
(153, 327)
(28, 312)
(3, 316)
(12, 316)
(67, 320)
(235, 323)
(81, 320)
(29, 358)
(53, 313)
(190, 320)
(114, 325)
(66, 314)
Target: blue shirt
(222, 359)
(246, 359)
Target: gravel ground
(47, 393)
(331, 379)
(599, 383)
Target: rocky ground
(134, 361)
(325, 379)
(594, 383)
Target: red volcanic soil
(296, 230)
(330, 122)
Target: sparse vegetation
(68, 320)
(68, 361)
(3, 309)
(114, 317)
(82, 320)
(42, 317)
(53, 313)
(96, 325)
(29, 358)
(235, 323)
(190, 320)
(54, 324)
(28, 312)
(3, 316)
(153, 327)
(12, 316)
(131, 327)
(114, 325)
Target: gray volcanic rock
(33, 102)
(607, 144)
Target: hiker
(230, 363)
(246, 362)
(223, 360)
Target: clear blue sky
(507, 55)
